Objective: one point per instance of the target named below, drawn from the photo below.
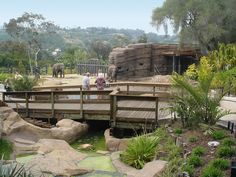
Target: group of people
(100, 82)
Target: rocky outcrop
(151, 169)
(57, 158)
(15, 128)
(115, 144)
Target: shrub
(13, 170)
(5, 149)
(218, 134)
(193, 139)
(4, 77)
(225, 151)
(140, 150)
(188, 168)
(228, 142)
(221, 164)
(23, 84)
(178, 131)
(194, 160)
(198, 151)
(211, 171)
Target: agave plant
(13, 170)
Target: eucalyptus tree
(28, 29)
(206, 22)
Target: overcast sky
(132, 14)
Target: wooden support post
(173, 64)
(179, 66)
(3, 96)
(53, 104)
(127, 89)
(114, 110)
(156, 112)
(27, 104)
(81, 103)
(154, 90)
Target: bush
(188, 168)
(225, 151)
(194, 160)
(218, 134)
(178, 131)
(140, 150)
(198, 151)
(4, 77)
(211, 171)
(229, 142)
(193, 139)
(5, 149)
(221, 164)
(13, 170)
(23, 84)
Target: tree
(206, 22)
(102, 49)
(142, 38)
(28, 29)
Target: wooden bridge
(125, 107)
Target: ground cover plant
(5, 149)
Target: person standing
(86, 82)
(100, 83)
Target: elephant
(112, 73)
(58, 68)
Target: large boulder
(57, 158)
(15, 128)
(115, 144)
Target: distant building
(141, 60)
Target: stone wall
(141, 60)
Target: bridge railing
(22, 100)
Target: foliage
(229, 142)
(225, 151)
(178, 131)
(188, 168)
(205, 22)
(211, 171)
(5, 149)
(13, 170)
(198, 151)
(23, 84)
(140, 150)
(193, 139)
(191, 72)
(221, 164)
(195, 160)
(4, 77)
(218, 134)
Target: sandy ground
(75, 79)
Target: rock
(86, 146)
(56, 157)
(150, 169)
(15, 127)
(115, 144)
(102, 152)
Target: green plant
(211, 171)
(198, 151)
(23, 84)
(188, 168)
(221, 164)
(225, 151)
(13, 170)
(218, 134)
(140, 150)
(194, 160)
(193, 139)
(229, 142)
(178, 131)
(5, 149)
(4, 77)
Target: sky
(127, 14)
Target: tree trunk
(36, 58)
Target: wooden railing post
(3, 96)
(154, 90)
(81, 103)
(127, 89)
(156, 112)
(53, 104)
(27, 104)
(114, 109)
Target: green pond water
(101, 164)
